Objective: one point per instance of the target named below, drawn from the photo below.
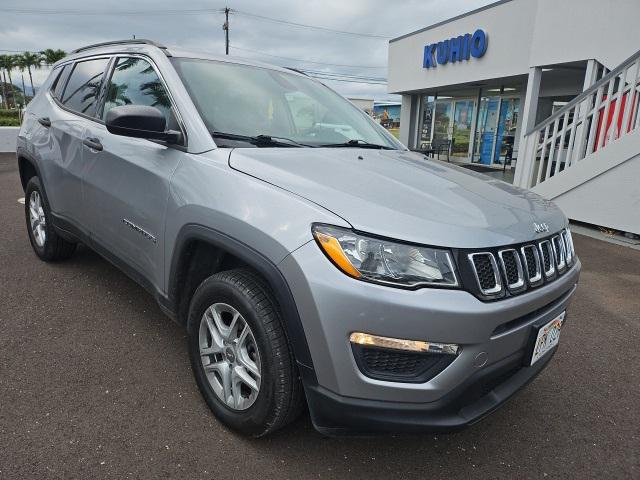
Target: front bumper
(494, 337)
(478, 396)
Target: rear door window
(135, 82)
(83, 88)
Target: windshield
(240, 103)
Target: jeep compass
(311, 257)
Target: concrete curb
(8, 138)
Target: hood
(402, 195)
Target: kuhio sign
(455, 49)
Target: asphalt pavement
(95, 382)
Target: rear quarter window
(60, 81)
(83, 88)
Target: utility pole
(225, 27)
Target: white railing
(591, 121)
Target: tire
(46, 243)
(279, 399)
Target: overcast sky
(55, 27)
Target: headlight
(384, 261)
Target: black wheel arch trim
(264, 266)
(21, 154)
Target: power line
(346, 80)
(306, 61)
(304, 25)
(193, 11)
(345, 75)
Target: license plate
(547, 338)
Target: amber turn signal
(332, 248)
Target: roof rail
(121, 42)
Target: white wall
(602, 188)
(611, 200)
(521, 33)
(566, 30)
(509, 29)
(362, 103)
(8, 138)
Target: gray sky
(55, 28)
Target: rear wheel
(46, 243)
(239, 353)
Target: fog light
(360, 338)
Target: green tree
(7, 63)
(22, 66)
(50, 56)
(28, 60)
(3, 80)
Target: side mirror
(140, 121)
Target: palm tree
(50, 56)
(30, 59)
(8, 63)
(3, 79)
(22, 65)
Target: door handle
(93, 143)
(44, 121)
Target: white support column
(474, 125)
(526, 156)
(407, 122)
(591, 74)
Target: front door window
(135, 82)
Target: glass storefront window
(462, 124)
(442, 122)
(507, 123)
(426, 122)
(453, 118)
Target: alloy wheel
(37, 219)
(230, 356)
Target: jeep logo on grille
(540, 227)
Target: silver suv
(309, 254)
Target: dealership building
(547, 87)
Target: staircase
(586, 156)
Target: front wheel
(240, 355)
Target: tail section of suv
(307, 252)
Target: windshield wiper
(260, 140)
(357, 143)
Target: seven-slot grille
(522, 268)
(487, 274)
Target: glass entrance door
(442, 121)
(462, 124)
(486, 129)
